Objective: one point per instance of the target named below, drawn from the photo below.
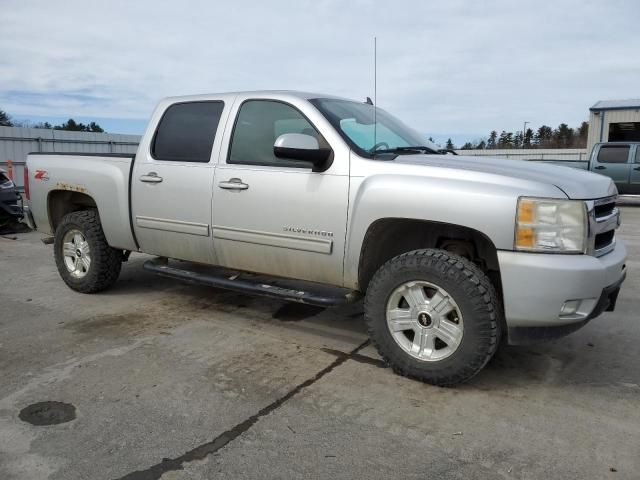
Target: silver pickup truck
(322, 200)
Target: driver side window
(258, 125)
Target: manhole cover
(48, 413)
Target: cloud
(453, 66)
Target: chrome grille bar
(602, 224)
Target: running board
(324, 296)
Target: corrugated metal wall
(531, 153)
(596, 126)
(16, 143)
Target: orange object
(525, 211)
(524, 237)
(10, 169)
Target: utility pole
(524, 132)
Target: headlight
(547, 225)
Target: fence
(17, 142)
(577, 154)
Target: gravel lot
(190, 382)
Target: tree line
(69, 125)
(544, 137)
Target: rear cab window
(186, 132)
(613, 154)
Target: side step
(312, 294)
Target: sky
(454, 69)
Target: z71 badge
(41, 175)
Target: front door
(613, 161)
(274, 215)
(172, 183)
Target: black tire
(106, 262)
(474, 295)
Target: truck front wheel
(85, 261)
(433, 316)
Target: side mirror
(298, 146)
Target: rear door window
(186, 132)
(613, 154)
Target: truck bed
(103, 177)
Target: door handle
(151, 177)
(233, 184)
(599, 167)
(637, 168)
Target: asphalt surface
(185, 382)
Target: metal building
(614, 121)
(17, 142)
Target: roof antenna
(375, 89)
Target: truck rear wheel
(85, 261)
(433, 316)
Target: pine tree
(563, 136)
(544, 136)
(505, 140)
(450, 145)
(517, 140)
(528, 137)
(583, 133)
(74, 126)
(5, 119)
(491, 143)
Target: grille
(604, 218)
(604, 239)
(604, 209)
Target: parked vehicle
(321, 205)
(10, 203)
(619, 161)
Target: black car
(10, 204)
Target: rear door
(274, 215)
(172, 181)
(634, 183)
(613, 160)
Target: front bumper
(528, 335)
(536, 286)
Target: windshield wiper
(413, 148)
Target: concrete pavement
(179, 381)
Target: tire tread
(480, 292)
(106, 260)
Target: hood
(575, 183)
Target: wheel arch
(386, 238)
(63, 202)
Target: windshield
(355, 123)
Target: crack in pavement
(200, 452)
(357, 357)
